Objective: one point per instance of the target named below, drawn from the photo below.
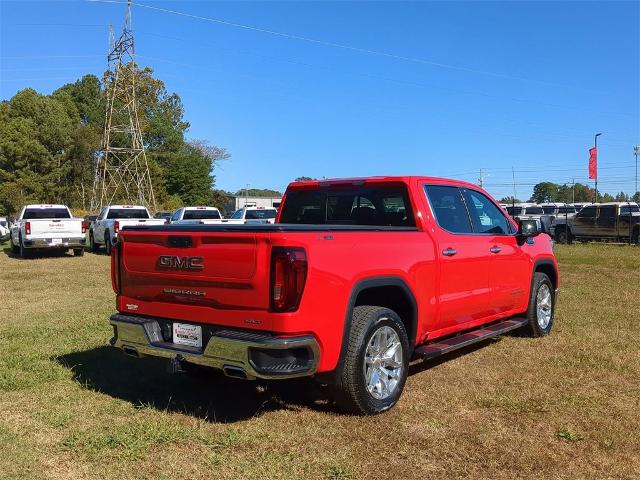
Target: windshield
(127, 213)
(259, 214)
(514, 210)
(42, 213)
(534, 211)
(201, 215)
(627, 209)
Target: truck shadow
(204, 394)
(37, 255)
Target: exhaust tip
(234, 372)
(131, 352)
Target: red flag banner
(593, 163)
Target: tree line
(544, 192)
(48, 146)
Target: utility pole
(573, 190)
(595, 144)
(481, 179)
(513, 175)
(122, 172)
(636, 151)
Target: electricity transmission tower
(122, 172)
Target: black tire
(539, 325)
(350, 389)
(78, 252)
(93, 246)
(635, 236)
(563, 235)
(21, 250)
(107, 243)
(15, 249)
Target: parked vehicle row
(617, 221)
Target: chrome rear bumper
(239, 353)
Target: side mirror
(528, 228)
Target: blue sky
(433, 88)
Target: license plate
(185, 334)
(56, 241)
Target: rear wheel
(107, 243)
(374, 371)
(635, 237)
(563, 235)
(542, 304)
(78, 252)
(93, 246)
(15, 249)
(22, 251)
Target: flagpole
(595, 141)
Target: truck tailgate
(216, 270)
(55, 228)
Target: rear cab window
(201, 215)
(45, 213)
(367, 204)
(125, 213)
(260, 214)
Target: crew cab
(196, 215)
(104, 229)
(616, 221)
(356, 278)
(47, 227)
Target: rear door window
(201, 215)
(449, 208)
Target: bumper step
(440, 347)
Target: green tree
(509, 200)
(545, 192)
(304, 179)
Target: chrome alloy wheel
(383, 363)
(544, 306)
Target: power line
(343, 46)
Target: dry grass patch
(559, 407)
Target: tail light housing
(27, 228)
(116, 226)
(115, 266)
(84, 226)
(288, 276)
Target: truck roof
(380, 179)
(126, 206)
(201, 208)
(45, 205)
(619, 204)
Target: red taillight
(116, 226)
(288, 276)
(115, 266)
(84, 226)
(27, 228)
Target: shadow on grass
(204, 394)
(36, 254)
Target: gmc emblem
(173, 262)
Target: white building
(243, 201)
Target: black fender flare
(376, 282)
(545, 262)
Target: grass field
(566, 406)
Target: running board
(440, 347)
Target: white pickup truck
(253, 215)
(197, 215)
(50, 227)
(104, 230)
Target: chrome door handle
(495, 249)
(449, 252)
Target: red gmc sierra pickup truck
(356, 278)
